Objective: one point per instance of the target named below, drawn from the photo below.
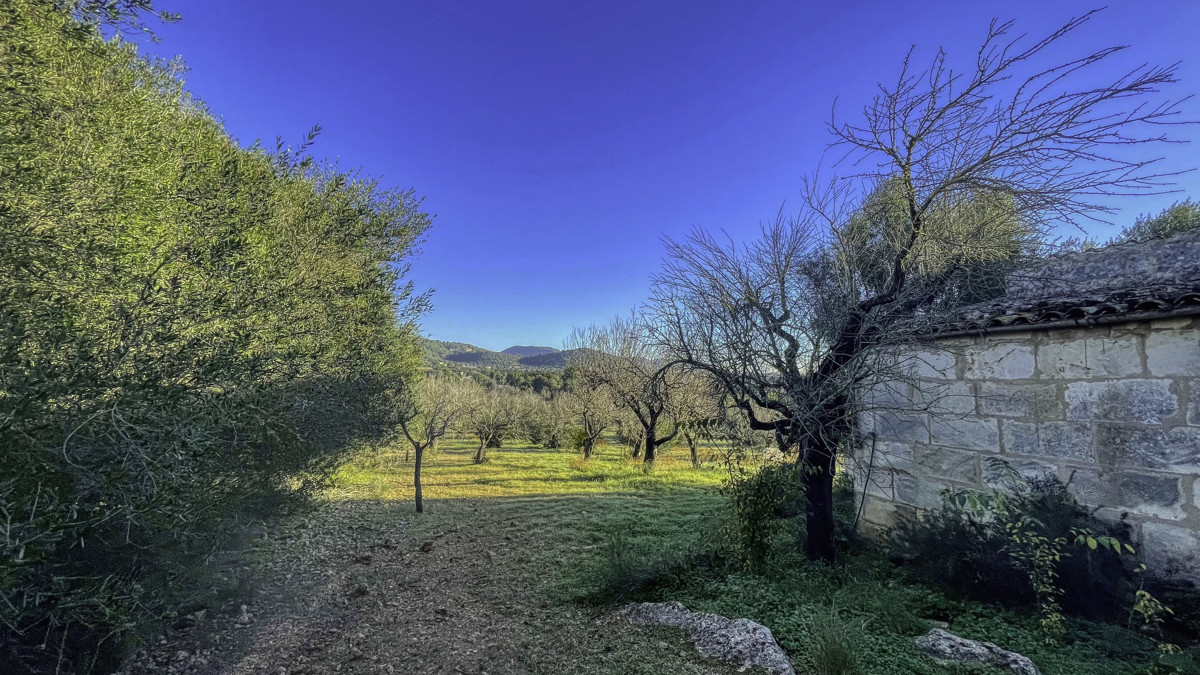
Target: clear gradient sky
(557, 141)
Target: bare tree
(619, 357)
(696, 410)
(490, 413)
(963, 175)
(629, 431)
(426, 411)
(593, 409)
(545, 421)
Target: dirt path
(368, 587)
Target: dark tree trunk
(482, 449)
(694, 448)
(637, 447)
(589, 444)
(818, 471)
(417, 479)
(651, 446)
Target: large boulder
(947, 646)
(739, 641)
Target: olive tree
(958, 179)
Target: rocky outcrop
(739, 641)
(947, 646)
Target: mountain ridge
(517, 357)
(528, 350)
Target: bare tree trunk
(482, 449)
(417, 479)
(651, 446)
(819, 466)
(589, 445)
(694, 446)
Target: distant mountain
(486, 359)
(518, 357)
(521, 350)
(438, 350)
(552, 361)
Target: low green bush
(986, 546)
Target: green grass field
(450, 473)
(573, 531)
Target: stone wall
(1113, 410)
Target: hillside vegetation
(522, 350)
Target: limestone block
(1175, 449)
(1020, 438)
(1011, 399)
(1171, 550)
(1146, 401)
(945, 397)
(1029, 469)
(1144, 494)
(889, 395)
(1114, 357)
(1002, 361)
(1068, 440)
(1090, 357)
(959, 465)
(891, 456)
(923, 493)
(1173, 352)
(879, 512)
(975, 433)
(1064, 440)
(906, 490)
(895, 426)
(1193, 415)
(938, 365)
(1062, 360)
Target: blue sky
(558, 141)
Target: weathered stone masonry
(1112, 408)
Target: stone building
(1089, 370)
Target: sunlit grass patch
(450, 473)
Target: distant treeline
(189, 329)
(545, 382)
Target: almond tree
(426, 411)
(620, 358)
(593, 409)
(960, 177)
(489, 413)
(696, 409)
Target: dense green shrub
(188, 329)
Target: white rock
(947, 646)
(739, 641)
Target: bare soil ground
(473, 586)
